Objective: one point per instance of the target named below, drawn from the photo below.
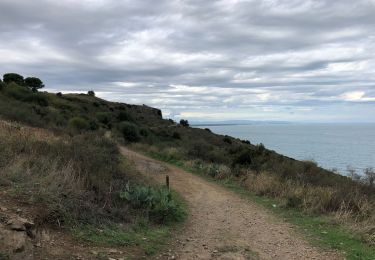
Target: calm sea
(330, 145)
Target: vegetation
(66, 165)
(184, 122)
(34, 83)
(84, 118)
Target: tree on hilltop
(34, 83)
(184, 122)
(13, 77)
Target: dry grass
(75, 177)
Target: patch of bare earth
(222, 225)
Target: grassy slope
(74, 175)
(301, 185)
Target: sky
(287, 60)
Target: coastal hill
(64, 168)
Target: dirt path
(222, 225)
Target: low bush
(105, 119)
(124, 116)
(129, 131)
(243, 158)
(176, 135)
(227, 140)
(157, 203)
(79, 124)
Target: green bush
(79, 124)
(227, 140)
(105, 118)
(17, 92)
(293, 201)
(176, 135)
(157, 203)
(244, 158)
(124, 116)
(129, 131)
(144, 132)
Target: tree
(184, 122)
(369, 176)
(34, 83)
(91, 93)
(13, 77)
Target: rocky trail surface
(222, 225)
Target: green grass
(319, 230)
(150, 239)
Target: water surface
(330, 145)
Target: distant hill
(235, 122)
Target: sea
(331, 146)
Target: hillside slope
(87, 131)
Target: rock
(19, 224)
(13, 241)
(3, 209)
(113, 251)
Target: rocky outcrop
(16, 234)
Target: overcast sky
(202, 60)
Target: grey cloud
(249, 58)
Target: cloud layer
(208, 60)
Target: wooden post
(167, 181)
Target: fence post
(167, 181)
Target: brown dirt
(222, 225)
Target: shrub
(144, 132)
(104, 118)
(39, 99)
(124, 116)
(34, 83)
(157, 203)
(176, 135)
(129, 131)
(91, 93)
(13, 77)
(244, 158)
(245, 141)
(227, 140)
(293, 201)
(79, 124)
(184, 122)
(17, 92)
(59, 94)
